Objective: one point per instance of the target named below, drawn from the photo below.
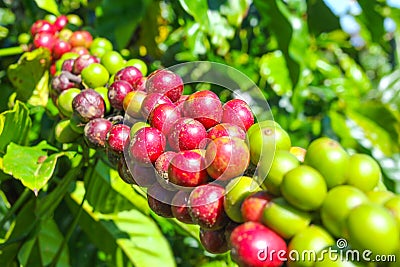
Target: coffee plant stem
(20, 201)
(11, 51)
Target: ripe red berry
(88, 105)
(130, 74)
(117, 92)
(117, 137)
(165, 82)
(237, 111)
(180, 207)
(60, 47)
(187, 134)
(147, 145)
(81, 38)
(151, 101)
(60, 22)
(42, 26)
(163, 117)
(44, 39)
(159, 200)
(96, 131)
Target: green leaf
(48, 5)
(370, 135)
(107, 193)
(235, 11)
(47, 240)
(127, 236)
(273, 69)
(32, 165)
(130, 12)
(373, 20)
(15, 125)
(6, 16)
(280, 26)
(28, 74)
(317, 11)
(198, 10)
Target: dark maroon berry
(96, 131)
(187, 134)
(165, 82)
(88, 105)
(64, 81)
(151, 101)
(130, 74)
(42, 26)
(187, 168)
(206, 206)
(180, 207)
(68, 64)
(117, 92)
(162, 163)
(205, 107)
(214, 241)
(147, 145)
(252, 243)
(124, 171)
(163, 117)
(226, 129)
(82, 62)
(237, 111)
(159, 200)
(44, 39)
(60, 47)
(117, 137)
(144, 176)
(60, 22)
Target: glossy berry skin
(42, 26)
(81, 38)
(180, 207)
(80, 50)
(237, 111)
(117, 137)
(68, 65)
(151, 101)
(205, 107)
(252, 243)
(187, 134)
(159, 200)
(163, 117)
(117, 91)
(165, 82)
(82, 62)
(130, 74)
(88, 105)
(96, 131)
(206, 206)
(162, 163)
(188, 169)
(214, 241)
(147, 145)
(227, 158)
(60, 47)
(60, 22)
(252, 207)
(226, 129)
(44, 39)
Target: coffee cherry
(129, 74)
(159, 200)
(60, 22)
(206, 206)
(42, 26)
(147, 145)
(226, 129)
(44, 39)
(187, 168)
(112, 61)
(163, 117)
(117, 91)
(82, 62)
(124, 171)
(227, 158)
(237, 111)
(144, 176)
(187, 134)
(151, 101)
(95, 75)
(117, 137)
(214, 241)
(253, 206)
(133, 103)
(88, 105)
(96, 131)
(68, 65)
(180, 207)
(162, 163)
(64, 101)
(60, 47)
(252, 244)
(81, 38)
(165, 82)
(205, 107)
(65, 81)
